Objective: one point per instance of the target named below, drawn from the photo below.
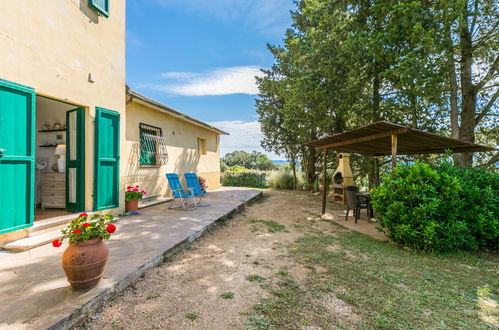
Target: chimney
(343, 170)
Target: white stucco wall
(54, 46)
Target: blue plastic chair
(179, 193)
(194, 187)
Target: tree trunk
(373, 172)
(454, 108)
(293, 167)
(373, 168)
(468, 90)
(414, 109)
(309, 160)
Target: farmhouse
(71, 136)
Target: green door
(107, 159)
(17, 156)
(75, 160)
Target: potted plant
(202, 184)
(132, 197)
(84, 259)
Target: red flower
(56, 243)
(135, 189)
(77, 231)
(143, 192)
(111, 228)
(136, 186)
(83, 215)
(129, 187)
(85, 225)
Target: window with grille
(152, 146)
(201, 146)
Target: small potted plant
(132, 196)
(86, 256)
(202, 184)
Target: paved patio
(33, 288)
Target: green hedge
(439, 208)
(253, 179)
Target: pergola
(383, 139)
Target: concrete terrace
(33, 287)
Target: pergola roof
(375, 140)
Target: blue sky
(201, 56)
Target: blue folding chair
(194, 187)
(179, 192)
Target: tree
(349, 63)
(471, 44)
(251, 160)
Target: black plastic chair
(354, 203)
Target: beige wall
(181, 140)
(54, 46)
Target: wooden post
(394, 152)
(324, 184)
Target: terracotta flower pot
(132, 205)
(84, 263)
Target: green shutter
(17, 156)
(75, 160)
(107, 158)
(101, 6)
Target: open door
(75, 160)
(107, 159)
(17, 156)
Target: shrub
(283, 179)
(254, 179)
(439, 208)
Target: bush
(439, 208)
(283, 179)
(253, 179)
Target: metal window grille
(153, 152)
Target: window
(152, 146)
(201, 146)
(101, 6)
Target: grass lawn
(381, 284)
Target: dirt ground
(186, 292)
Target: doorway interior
(56, 185)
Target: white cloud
(225, 81)
(177, 75)
(244, 135)
(267, 16)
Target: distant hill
(280, 162)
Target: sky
(201, 57)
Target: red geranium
(111, 228)
(133, 193)
(85, 228)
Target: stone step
(152, 201)
(36, 239)
(53, 222)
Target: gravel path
(186, 293)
